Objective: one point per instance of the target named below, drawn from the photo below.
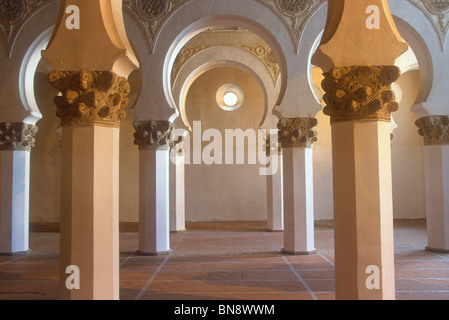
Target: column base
(298, 253)
(271, 230)
(179, 231)
(437, 250)
(153, 254)
(14, 254)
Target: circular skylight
(230, 97)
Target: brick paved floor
(233, 264)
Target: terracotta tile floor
(208, 264)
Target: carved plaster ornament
(294, 13)
(360, 93)
(14, 14)
(154, 135)
(297, 132)
(434, 129)
(17, 136)
(438, 13)
(184, 55)
(263, 53)
(90, 97)
(152, 14)
(266, 55)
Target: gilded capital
(17, 136)
(360, 93)
(90, 97)
(434, 129)
(154, 135)
(297, 132)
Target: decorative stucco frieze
(184, 55)
(14, 14)
(154, 135)
(90, 97)
(262, 52)
(267, 56)
(360, 93)
(295, 14)
(152, 14)
(17, 136)
(438, 13)
(297, 132)
(434, 129)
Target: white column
(14, 202)
(298, 201)
(154, 141)
(16, 141)
(275, 199)
(435, 130)
(296, 137)
(363, 208)
(357, 58)
(154, 230)
(177, 194)
(436, 166)
(89, 244)
(91, 65)
(363, 199)
(90, 212)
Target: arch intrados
(28, 71)
(242, 60)
(423, 56)
(207, 66)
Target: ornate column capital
(434, 129)
(360, 93)
(297, 132)
(90, 97)
(154, 135)
(17, 136)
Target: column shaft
(436, 168)
(90, 107)
(154, 141)
(296, 137)
(177, 194)
(298, 201)
(16, 142)
(14, 202)
(435, 130)
(90, 212)
(360, 102)
(363, 208)
(275, 202)
(154, 230)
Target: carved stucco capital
(90, 97)
(434, 129)
(297, 132)
(17, 136)
(154, 135)
(360, 93)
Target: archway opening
(225, 185)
